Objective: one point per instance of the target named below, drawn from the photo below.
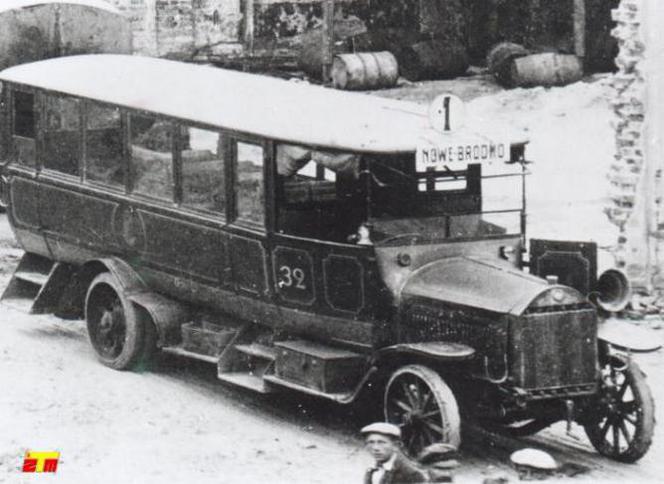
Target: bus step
(258, 351)
(247, 380)
(37, 284)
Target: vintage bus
(307, 240)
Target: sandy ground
(178, 424)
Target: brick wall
(180, 27)
(636, 174)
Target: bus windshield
(329, 195)
(480, 201)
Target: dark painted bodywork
(519, 332)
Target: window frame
(124, 187)
(175, 155)
(41, 132)
(268, 191)
(5, 123)
(178, 173)
(11, 120)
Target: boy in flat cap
(383, 441)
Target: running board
(337, 397)
(246, 362)
(179, 351)
(343, 398)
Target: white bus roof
(268, 107)
(16, 4)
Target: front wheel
(622, 415)
(423, 406)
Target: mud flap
(168, 315)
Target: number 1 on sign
(446, 106)
(446, 113)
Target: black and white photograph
(331, 241)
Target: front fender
(440, 351)
(626, 336)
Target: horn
(613, 291)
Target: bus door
(317, 263)
(19, 120)
(322, 277)
(248, 214)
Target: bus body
(304, 239)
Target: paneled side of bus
(199, 212)
(89, 179)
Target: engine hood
(487, 285)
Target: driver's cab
(335, 208)
(336, 196)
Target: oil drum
(499, 60)
(365, 70)
(547, 69)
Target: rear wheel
(622, 417)
(423, 406)
(123, 337)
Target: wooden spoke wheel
(123, 336)
(621, 419)
(420, 402)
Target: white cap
(534, 458)
(382, 428)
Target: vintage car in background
(309, 240)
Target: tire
(621, 418)
(423, 406)
(122, 335)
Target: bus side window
(62, 135)
(249, 186)
(103, 142)
(24, 129)
(310, 192)
(4, 118)
(151, 150)
(203, 180)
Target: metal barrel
(433, 59)
(547, 69)
(499, 60)
(365, 70)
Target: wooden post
(249, 25)
(579, 19)
(327, 45)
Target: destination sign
(456, 155)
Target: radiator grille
(554, 349)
